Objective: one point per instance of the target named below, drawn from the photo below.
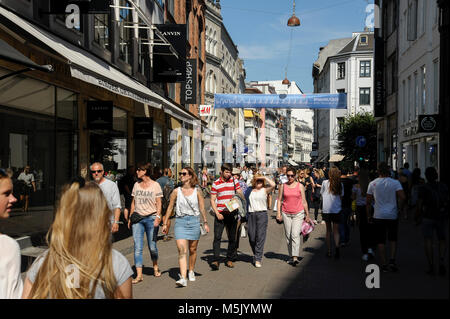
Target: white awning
(336, 158)
(291, 162)
(88, 68)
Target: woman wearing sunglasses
(147, 205)
(257, 215)
(189, 205)
(292, 210)
(11, 284)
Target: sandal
(137, 280)
(157, 273)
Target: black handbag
(136, 218)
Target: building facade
(344, 66)
(418, 81)
(101, 66)
(225, 73)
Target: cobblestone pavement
(315, 277)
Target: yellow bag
(354, 205)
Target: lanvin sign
(167, 68)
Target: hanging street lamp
(293, 21)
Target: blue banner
(282, 101)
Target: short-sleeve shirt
(27, 178)
(384, 191)
(121, 268)
(224, 191)
(111, 192)
(145, 198)
(331, 204)
(11, 284)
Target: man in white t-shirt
(111, 192)
(385, 191)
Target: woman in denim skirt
(189, 205)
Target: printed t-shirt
(145, 198)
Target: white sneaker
(258, 264)
(191, 276)
(182, 282)
(365, 257)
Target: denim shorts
(187, 227)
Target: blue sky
(259, 29)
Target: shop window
(125, 34)
(38, 125)
(66, 137)
(110, 147)
(101, 30)
(143, 52)
(150, 150)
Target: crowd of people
(89, 213)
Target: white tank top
(183, 207)
(258, 201)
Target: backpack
(167, 191)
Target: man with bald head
(111, 193)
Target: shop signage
(205, 110)
(143, 128)
(100, 115)
(428, 124)
(189, 92)
(167, 67)
(379, 93)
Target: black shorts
(26, 190)
(385, 228)
(333, 218)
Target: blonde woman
(257, 218)
(80, 262)
(332, 191)
(189, 206)
(11, 284)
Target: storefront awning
(336, 158)
(86, 67)
(10, 54)
(248, 113)
(291, 162)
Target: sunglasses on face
(140, 169)
(97, 171)
(182, 173)
(290, 175)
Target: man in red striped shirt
(222, 191)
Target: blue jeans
(344, 228)
(145, 225)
